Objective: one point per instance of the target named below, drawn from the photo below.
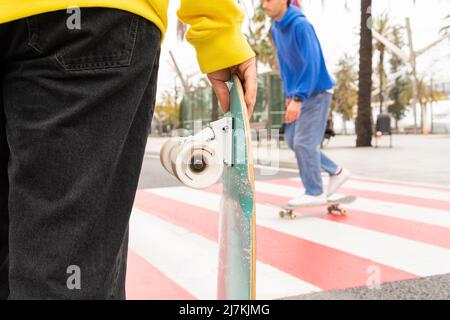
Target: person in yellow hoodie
(77, 94)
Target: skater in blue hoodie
(308, 91)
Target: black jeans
(75, 112)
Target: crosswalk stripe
(410, 229)
(402, 183)
(145, 282)
(273, 170)
(423, 193)
(383, 207)
(403, 254)
(191, 260)
(378, 193)
(301, 258)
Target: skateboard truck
(198, 160)
(220, 131)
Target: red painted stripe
(413, 230)
(417, 231)
(403, 184)
(381, 196)
(145, 282)
(324, 267)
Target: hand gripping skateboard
(223, 150)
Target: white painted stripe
(275, 169)
(394, 189)
(411, 183)
(385, 208)
(404, 254)
(191, 260)
(373, 179)
(403, 211)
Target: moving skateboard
(333, 206)
(223, 151)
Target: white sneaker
(337, 181)
(308, 201)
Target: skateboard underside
(332, 207)
(335, 210)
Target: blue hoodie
(302, 64)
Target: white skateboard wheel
(173, 154)
(197, 165)
(164, 154)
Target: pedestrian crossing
(399, 230)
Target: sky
(337, 27)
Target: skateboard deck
(333, 206)
(237, 227)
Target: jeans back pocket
(104, 37)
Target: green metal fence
(201, 105)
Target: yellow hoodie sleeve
(215, 32)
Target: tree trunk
(364, 122)
(381, 71)
(344, 125)
(424, 117)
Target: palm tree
(364, 120)
(345, 95)
(447, 27)
(383, 28)
(401, 91)
(260, 39)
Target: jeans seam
(32, 31)
(134, 29)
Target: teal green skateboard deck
(237, 224)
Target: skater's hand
(246, 71)
(293, 111)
